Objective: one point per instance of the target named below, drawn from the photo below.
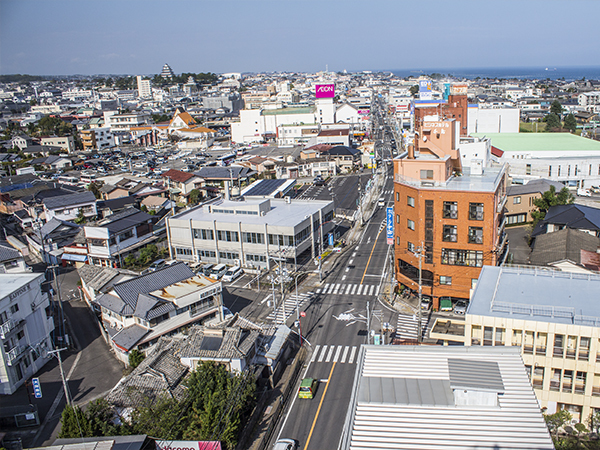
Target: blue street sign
(37, 388)
(390, 225)
(331, 239)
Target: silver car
(460, 307)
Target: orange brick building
(455, 214)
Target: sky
(66, 37)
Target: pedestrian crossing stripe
(291, 302)
(407, 327)
(348, 289)
(343, 354)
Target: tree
(94, 187)
(414, 90)
(160, 418)
(552, 122)
(135, 358)
(547, 200)
(80, 219)
(556, 108)
(74, 423)
(570, 123)
(594, 422)
(148, 254)
(195, 196)
(102, 419)
(557, 420)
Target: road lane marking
(377, 290)
(354, 254)
(343, 360)
(337, 353)
(371, 255)
(350, 262)
(314, 355)
(344, 277)
(371, 290)
(353, 289)
(319, 291)
(352, 353)
(331, 349)
(322, 355)
(348, 288)
(330, 290)
(360, 286)
(347, 269)
(337, 288)
(312, 428)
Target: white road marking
(360, 286)
(322, 355)
(350, 262)
(347, 269)
(331, 349)
(377, 290)
(348, 289)
(352, 353)
(344, 277)
(343, 360)
(337, 353)
(314, 355)
(353, 289)
(371, 290)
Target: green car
(308, 388)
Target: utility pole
(368, 324)
(419, 254)
(62, 373)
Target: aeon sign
(325, 90)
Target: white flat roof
(9, 283)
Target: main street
(335, 326)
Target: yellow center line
(319, 410)
(372, 250)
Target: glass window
(500, 333)
(580, 378)
(456, 257)
(538, 377)
(475, 235)
(397, 218)
(450, 210)
(571, 347)
(555, 381)
(476, 335)
(475, 211)
(410, 246)
(567, 384)
(528, 344)
(397, 196)
(228, 236)
(450, 233)
(559, 343)
(411, 224)
(410, 201)
(445, 280)
(487, 335)
(584, 348)
(426, 174)
(517, 338)
(517, 200)
(541, 342)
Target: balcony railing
(502, 204)
(596, 391)
(528, 349)
(502, 226)
(540, 350)
(537, 382)
(559, 352)
(579, 388)
(555, 385)
(567, 387)
(14, 354)
(6, 327)
(584, 355)
(571, 353)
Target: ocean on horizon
(521, 73)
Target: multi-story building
(97, 138)
(144, 87)
(249, 232)
(521, 198)
(448, 215)
(25, 327)
(68, 207)
(66, 143)
(553, 317)
(124, 122)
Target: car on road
(460, 307)
(318, 181)
(381, 202)
(308, 388)
(285, 444)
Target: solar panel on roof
(265, 187)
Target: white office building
(250, 232)
(25, 328)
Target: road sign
(37, 388)
(390, 225)
(331, 239)
(302, 314)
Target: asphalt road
(336, 326)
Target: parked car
(157, 265)
(218, 271)
(460, 307)
(232, 274)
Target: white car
(232, 274)
(285, 444)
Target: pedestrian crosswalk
(348, 289)
(388, 192)
(290, 302)
(408, 326)
(335, 353)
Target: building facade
(25, 327)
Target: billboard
(425, 90)
(459, 89)
(188, 445)
(390, 225)
(325, 90)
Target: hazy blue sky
(53, 37)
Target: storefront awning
(72, 257)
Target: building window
(207, 235)
(450, 210)
(397, 240)
(397, 218)
(445, 280)
(571, 347)
(253, 238)
(410, 247)
(14, 308)
(256, 258)
(549, 171)
(517, 338)
(280, 239)
(584, 348)
(411, 224)
(207, 254)
(475, 211)
(229, 255)
(538, 377)
(410, 201)
(559, 345)
(580, 378)
(476, 335)
(541, 341)
(183, 251)
(488, 333)
(555, 381)
(228, 236)
(426, 174)
(456, 257)
(127, 235)
(475, 235)
(450, 233)
(517, 200)
(527, 169)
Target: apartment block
(451, 217)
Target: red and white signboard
(302, 314)
(325, 90)
(188, 445)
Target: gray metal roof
(129, 290)
(265, 187)
(128, 337)
(469, 374)
(7, 252)
(565, 244)
(534, 293)
(534, 186)
(128, 218)
(69, 199)
(403, 398)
